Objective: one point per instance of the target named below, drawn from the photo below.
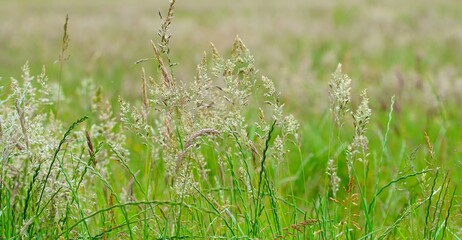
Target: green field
(240, 120)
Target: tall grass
(214, 156)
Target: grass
(203, 145)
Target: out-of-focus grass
(297, 43)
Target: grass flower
(334, 180)
(340, 87)
(358, 148)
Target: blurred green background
(400, 45)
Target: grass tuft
(218, 155)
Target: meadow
(230, 119)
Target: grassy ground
(193, 153)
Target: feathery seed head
(334, 180)
(340, 87)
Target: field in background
(407, 49)
(297, 44)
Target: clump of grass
(49, 178)
(206, 157)
(358, 206)
(31, 147)
(200, 134)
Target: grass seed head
(340, 87)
